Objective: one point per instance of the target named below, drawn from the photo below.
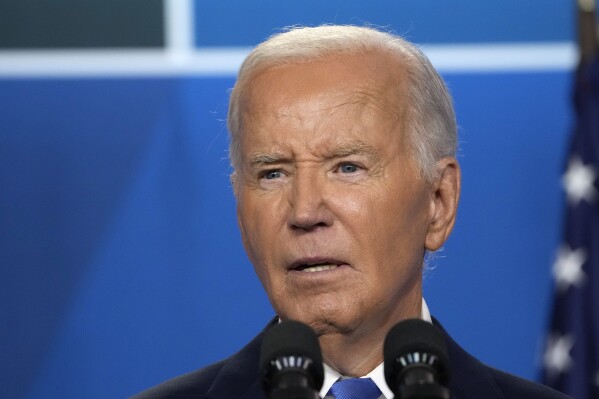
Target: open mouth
(316, 267)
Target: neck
(357, 353)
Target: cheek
(260, 226)
(254, 242)
(247, 225)
(392, 220)
(353, 202)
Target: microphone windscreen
(415, 336)
(292, 338)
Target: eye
(272, 174)
(348, 168)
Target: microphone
(291, 362)
(416, 361)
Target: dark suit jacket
(237, 378)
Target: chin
(330, 327)
(326, 313)
(325, 321)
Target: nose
(308, 206)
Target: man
(343, 143)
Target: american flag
(571, 358)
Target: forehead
(368, 88)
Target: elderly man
(343, 143)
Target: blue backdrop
(121, 264)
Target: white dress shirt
(377, 375)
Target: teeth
(319, 268)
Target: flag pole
(587, 29)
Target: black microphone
(291, 362)
(416, 361)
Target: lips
(311, 265)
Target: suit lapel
(470, 379)
(239, 376)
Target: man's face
(332, 209)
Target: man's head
(431, 120)
(338, 194)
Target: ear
(444, 204)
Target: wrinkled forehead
(322, 105)
(372, 80)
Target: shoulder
(516, 387)
(191, 385)
(471, 379)
(234, 377)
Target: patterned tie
(355, 388)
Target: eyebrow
(266, 158)
(355, 147)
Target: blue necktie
(355, 388)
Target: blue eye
(348, 168)
(272, 174)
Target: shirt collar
(377, 375)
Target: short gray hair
(431, 124)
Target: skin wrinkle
(384, 96)
(360, 102)
(341, 151)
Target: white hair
(431, 124)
